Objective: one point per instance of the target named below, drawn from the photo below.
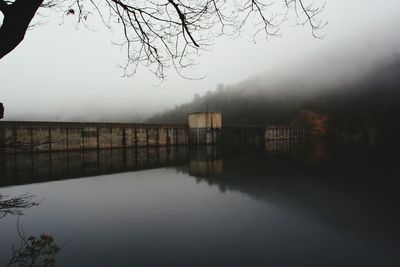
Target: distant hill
(359, 105)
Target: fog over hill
(356, 92)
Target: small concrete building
(205, 127)
(209, 119)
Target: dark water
(287, 206)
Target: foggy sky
(62, 73)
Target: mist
(74, 74)
(355, 88)
(298, 166)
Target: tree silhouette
(1, 111)
(164, 33)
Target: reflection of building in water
(206, 167)
(205, 161)
(279, 146)
(297, 185)
(22, 168)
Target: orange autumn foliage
(317, 124)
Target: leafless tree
(165, 33)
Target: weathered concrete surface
(209, 119)
(242, 136)
(205, 127)
(68, 136)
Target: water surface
(204, 208)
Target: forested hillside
(364, 106)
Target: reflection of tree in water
(33, 251)
(15, 205)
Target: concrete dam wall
(70, 136)
(203, 128)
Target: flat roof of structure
(199, 112)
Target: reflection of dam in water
(343, 191)
(282, 146)
(203, 161)
(40, 167)
(287, 180)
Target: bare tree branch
(160, 34)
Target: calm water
(200, 208)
